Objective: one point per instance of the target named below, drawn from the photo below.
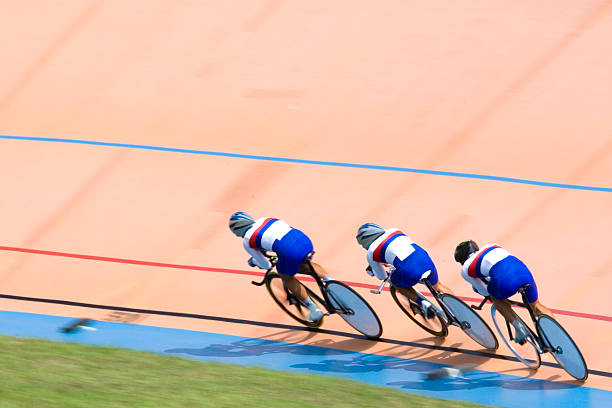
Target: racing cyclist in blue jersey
(493, 271)
(407, 262)
(290, 245)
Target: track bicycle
(549, 337)
(452, 311)
(336, 297)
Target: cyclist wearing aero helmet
(493, 271)
(408, 261)
(290, 245)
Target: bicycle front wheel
(469, 321)
(353, 309)
(528, 353)
(434, 325)
(564, 350)
(289, 302)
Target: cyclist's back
(271, 234)
(409, 260)
(504, 272)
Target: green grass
(38, 373)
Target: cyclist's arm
(477, 284)
(379, 271)
(259, 258)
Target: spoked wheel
(470, 322)
(289, 302)
(352, 308)
(434, 325)
(527, 353)
(564, 350)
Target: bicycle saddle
(309, 256)
(425, 275)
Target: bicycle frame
(449, 316)
(324, 301)
(541, 346)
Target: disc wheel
(564, 350)
(289, 302)
(528, 352)
(353, 309)
(470, 322)
(434, 325)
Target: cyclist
(406, 260)
(290, 245)
(493, 271)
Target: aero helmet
(240, 222)
(368, 233)
(464, 250)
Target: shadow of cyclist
(481, 379)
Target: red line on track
(243, 272)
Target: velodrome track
(450, 122)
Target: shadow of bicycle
(365, 364)
(278, 343)
(476, 380)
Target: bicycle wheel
(353, 309)
(289, 302)
(436, 325)
(527, 353)
(469, 321)
(564, 350)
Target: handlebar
(273, 259)
(479, 307)
(380, 288)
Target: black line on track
(282, 326)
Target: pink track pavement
(504, 89)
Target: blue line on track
(402, 374)
(318, 162)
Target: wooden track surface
(511, 90)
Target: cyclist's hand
(369, 270)
(251, 262)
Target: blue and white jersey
(262, 236)
(479, 265)
(391, 248)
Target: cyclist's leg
(408, 292)
(404, 280)
(292, 251)
(298, 290)
(318, 269)
(504, 308)
(294, 286)
(440, 287)
(501, 286)
(541, 309)
(435, 282)
(505, 282)
(532, 298)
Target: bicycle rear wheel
(469, 321)
(289, 302)
(436, 325)
(564, 350)
(353, 309)
(527, 353)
